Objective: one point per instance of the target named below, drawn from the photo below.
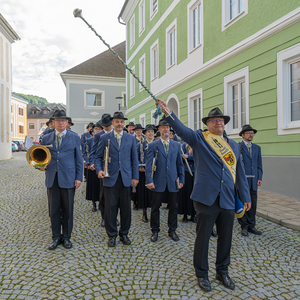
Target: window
(142, 17)
(33, 111)
(154, 60)
(143, 120)
(124, 100)
(288, 90)
(236, 100)
(171, 45)
(153, 8)
(20, 111)
(132, 84)
(11, 127)
(195, 109)
(232, 11)
(31, 125)
(153, 120)
(142, 73)
(195, 24)
(45, 111)
(21, 129)
(94, 98)
(132, 31)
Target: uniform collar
(64, 132)
(247, 143)
(168, 141)
(121, 133)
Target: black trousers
(101, 199)
(116, 197)
(206, 217)
(157, 198)
(61, 207)
(248, 220)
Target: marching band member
(218, 170)
(169, 168)
(70, 123)
(144, 195)
(92, 180)
(130, 128)
(105, 123)
(138, 130)
(123, 171)
(63, 176)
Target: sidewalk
(281, 210)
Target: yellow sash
(223, 150)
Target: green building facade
(240, 55)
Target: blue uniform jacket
(145, 150)
(190, 158)
(168, 167)
(123, 160)
(212, 177)
(95, 145)
(66, 162)
(87, 155)
(83, 136)
(253, 166)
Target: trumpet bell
(38, 156)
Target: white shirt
(63, 133)
(247, 143)
(168, 140)
(120, 134)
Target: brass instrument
(106, 159)
(154, 164)
(187, 164)
(87, 148)
(38, 156)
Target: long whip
(78, 14)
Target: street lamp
(119, 101)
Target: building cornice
(275, 27)
(7, 30)
(127, 10)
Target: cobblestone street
(262, 267)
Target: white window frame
(153, 47)
(141, 17)
(284, 60)
(230, 80)
(153, 13)
(94, 91)
(143, 119)
(142, 72)
(132, 31)
(171, 28)
(191, 97)
(226, 21)
(153, 120)
(132, 84)
(124, 100)
(194, 4)
(31, 124)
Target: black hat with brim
(70, 121)
(138, 126)
(105, 120)
(163, 122)
(118, 115)
(149, 127)
(98, 124)
(216, 113)
(245, 128)
(90, 124)
(157, 134)
(59, 114)
(130, 124)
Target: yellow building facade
(18, 118)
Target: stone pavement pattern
(263, 267)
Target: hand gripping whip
(78, 14)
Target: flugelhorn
(38, 156)
(187, 164)
(154, 164)
(106, 159)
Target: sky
(53, 41)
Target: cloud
(53, 41)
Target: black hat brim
(118, 118)
(104, 124)
(243, 131)
(144, 131)
(226, 119)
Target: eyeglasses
(250, 133)
(60, 121)
(216, 120)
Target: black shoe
(125, 240)
(111, 242)
(117, 223)
(173, 236)
(204, 284)
(193, 219)
(102, 223)
(214, 233)
(54, 244)
(135, 207)
(245, 232)
(154, 237)
(94, 209)
(226, 280)
(185, 220)
(67, 244)
(254, 231)
(145, 218)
